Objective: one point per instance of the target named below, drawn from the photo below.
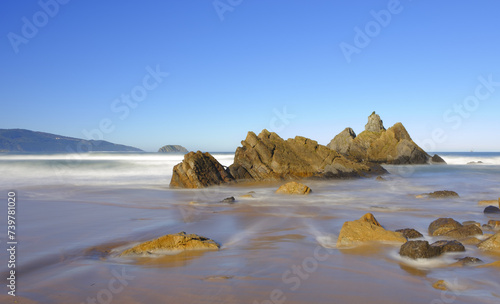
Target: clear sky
(99, 69)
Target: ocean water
(77, 212)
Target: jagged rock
(375, 124)
(410, 233)
(375, 144)
(439, 194)
(419, 250)
(437, 159)
(463, 232)
(491, 243)
(173, 149)
(367, 228)
(491, 209)
(199, 170)
(343, 141)
(228, 200)
(294, 188)
(173, 242)
(442, 226)
(448, 246)
(268, 157)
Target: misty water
(76, 213)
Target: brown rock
(448, 246)
(410, 233)
(470, 241)
(173, 242)
(367, 228)
(294, 188)
(491, 244)
(375, 144)
(199, 170)
(442, 226)
(441, 285)
(467, 261)
(268, 157)
(419, 250)
(463, 232)
(493, 223)
(381, 179)
(436, 159)
(494, 264)
(442, 194)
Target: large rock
(367, 228)
(442, 226)
(199, 170)
(267, 157)
(294, 188)
(173, 149)
(491, 243)
(376, 144)
(171, 243)
(410, 233)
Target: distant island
(173, 149)
(20, 140)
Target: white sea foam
(472, 158)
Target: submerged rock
(419, 250)
(467, 261)
(442, 226)
(440, 285)
(367, 228)
(376, 144)
(410, 233)
(199, 170)
(173, 242)
(294, 188)
(441, 194)
(488, 202)
(229, 200)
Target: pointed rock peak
(374, 124)
(349, 132)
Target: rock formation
(491, 243)
(267, 157)
(376, 144)
(422, 249)
(367, 228)
(294, 188)
(199, 170)
(173, 242)
(442, 226)
(173, 149)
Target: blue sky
(294, 67)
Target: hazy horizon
(202, 75)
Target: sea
(75, 213)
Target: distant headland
(21, 140)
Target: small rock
(367, 228)
(437, 159)
(491, 209)
(488, 203)
(294, 188)
(380, 179)
(487, 227)
(474, 162)
(441, 285)
(469, 261)
(173, 242)
(228, 200)
(410, 233)
(448, 246)
(419, 250)
(246, 196)
(442, 194)
(442, 226)
(464, 231)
